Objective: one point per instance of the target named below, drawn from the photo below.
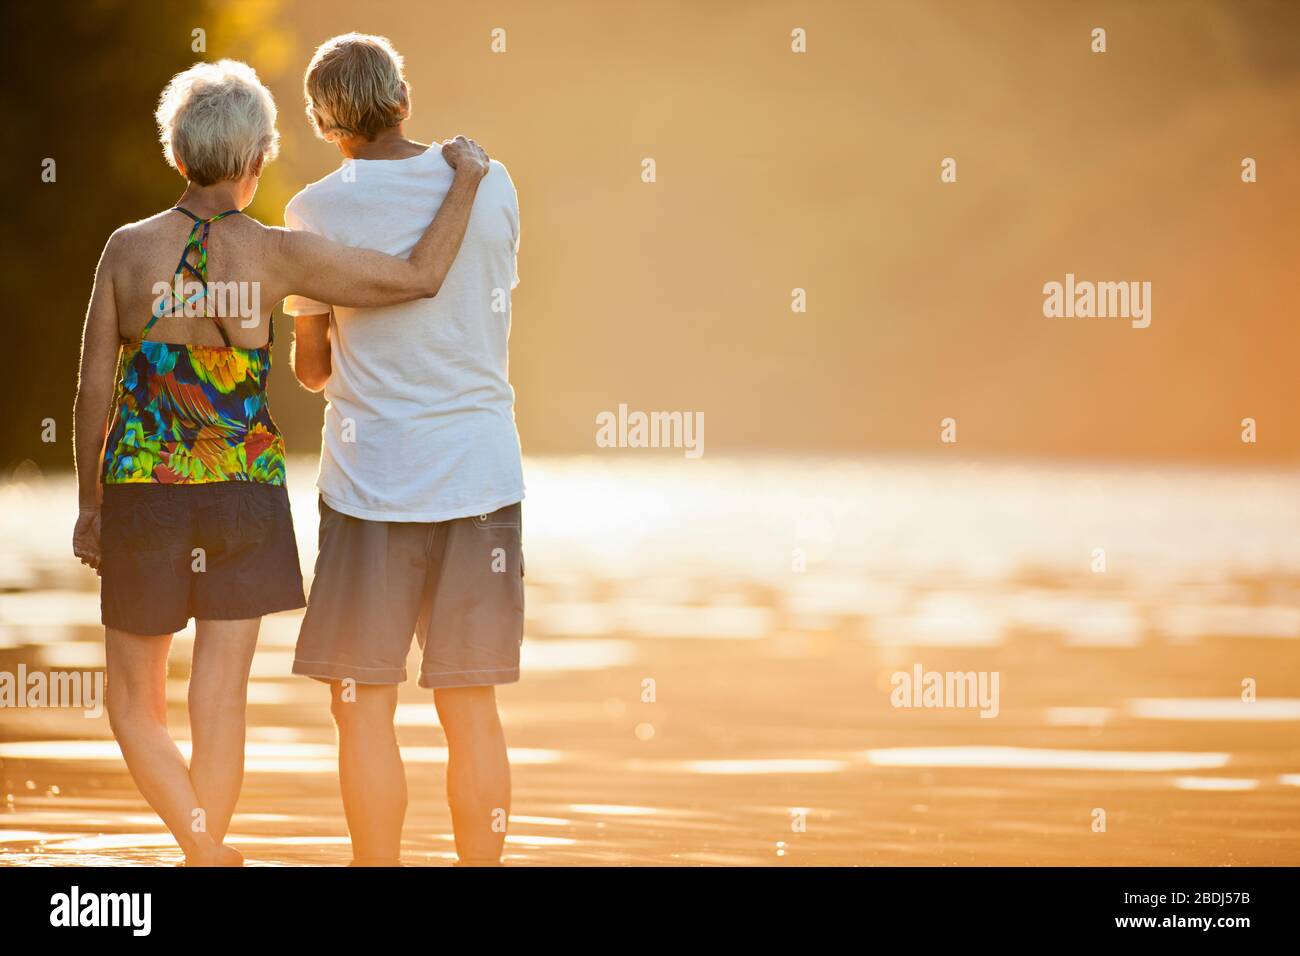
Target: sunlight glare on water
(708, 643)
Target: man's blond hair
(355, 87)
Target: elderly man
(420, 477)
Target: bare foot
(217, 855)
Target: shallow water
(769, 602)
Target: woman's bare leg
(137, 712)
(223, 654)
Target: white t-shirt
(420, 422)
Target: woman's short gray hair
(217, 120)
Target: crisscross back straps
(196, 243)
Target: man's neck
(389, 144)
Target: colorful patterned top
(193, 414)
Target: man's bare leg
(478, 772)
(370, 771)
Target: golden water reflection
(708, 657)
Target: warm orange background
(821, 171)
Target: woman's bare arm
(311, 266)
(100, 344)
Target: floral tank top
(193, 414)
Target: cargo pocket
(508, 517)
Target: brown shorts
(223, 551)
(456, 585)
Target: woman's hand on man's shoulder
(467, 157)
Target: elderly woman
(183, 507)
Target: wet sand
(771, 738)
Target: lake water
(709, 658)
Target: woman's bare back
(241, 284)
